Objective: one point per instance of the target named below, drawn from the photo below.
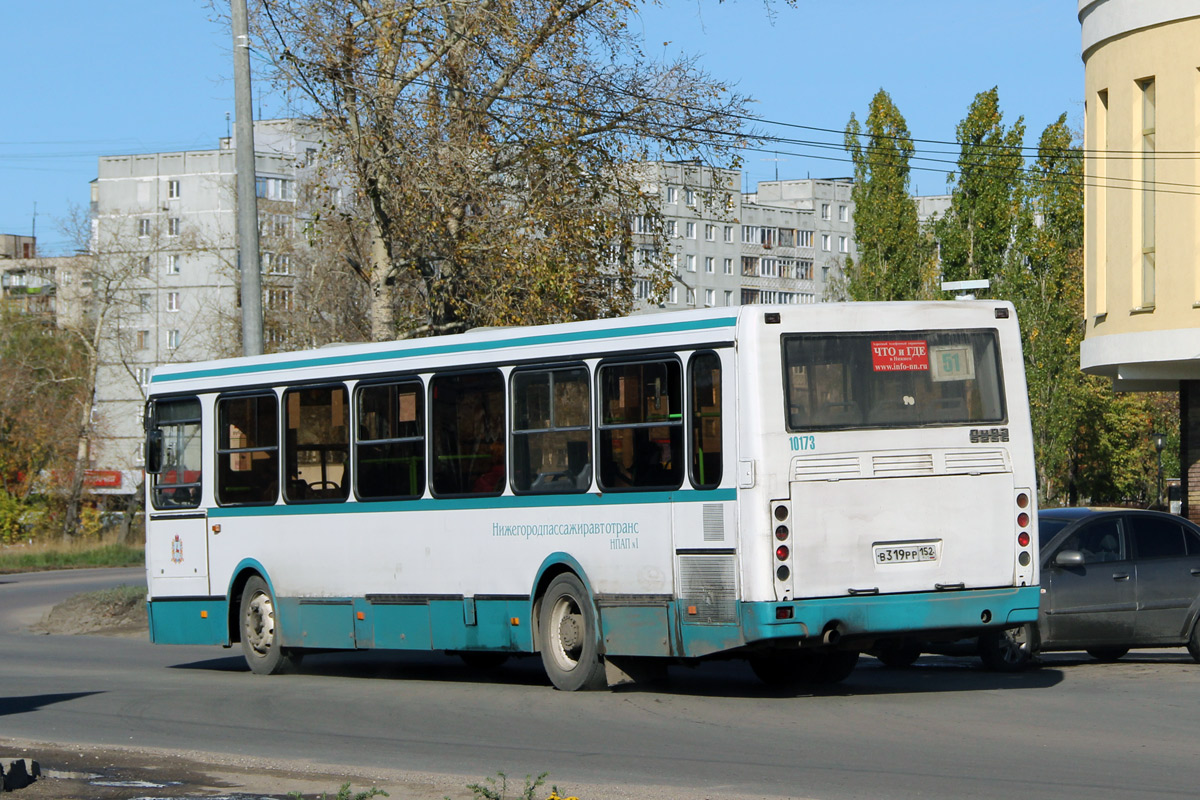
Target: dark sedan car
(1113, 579)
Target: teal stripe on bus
(444, 349)
(588, 500)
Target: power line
(919, 153)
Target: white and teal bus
(792, 485)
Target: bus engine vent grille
(714, 522)
(825, 468)
(903, 464)
(708, 584)
(977, 461)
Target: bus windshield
(892, 379)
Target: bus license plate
(907, 552)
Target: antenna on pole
(776, 159)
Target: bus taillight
(781, 533)
(782, 552)
(1023, 538)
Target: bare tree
(488, 144)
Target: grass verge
(39, 557)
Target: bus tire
(799, 668)
(569, 637)
(832, 667)
(780, 670)
(898, 655)
(259, 633)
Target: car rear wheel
(1107, 653)
(1010, 650)
(1193, 645)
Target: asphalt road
(942, 729)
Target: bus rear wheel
(796, 669)
(260, 636)
(568, 636)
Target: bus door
(704, 520)
(177, 529)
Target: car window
(1099, 541)
(1192, 540)
(1048, 528)
(1156, 537)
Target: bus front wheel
(260, 636)
(568, 636)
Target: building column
(1189, 448)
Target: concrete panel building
(164, 259)
(784, 243)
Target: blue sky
(85, 80)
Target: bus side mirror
(154, 448)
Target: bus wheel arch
(554, 565)
(233, 618)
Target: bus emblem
(177, 550)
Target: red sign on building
(102, 478)
(904, 356)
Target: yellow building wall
(1170, 55)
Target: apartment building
(786, 243)
(165, 264)
(14, 245)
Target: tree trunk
(75, 494)
(383, 288)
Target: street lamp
(1160, 439)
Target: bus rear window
(892, 379)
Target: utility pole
(247, 200)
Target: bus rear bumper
(867, 617)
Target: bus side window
(467, 425)
(176, 478)
(641, 426)
(247, 450)
(551, 437)
(317, 444)
(704, 386)
(390, 453)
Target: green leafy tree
(893, 258)
(1091, 444)
(977, 235)
(42, 386)
(1045, 283)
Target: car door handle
(1196, 571)
(1120, 576)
